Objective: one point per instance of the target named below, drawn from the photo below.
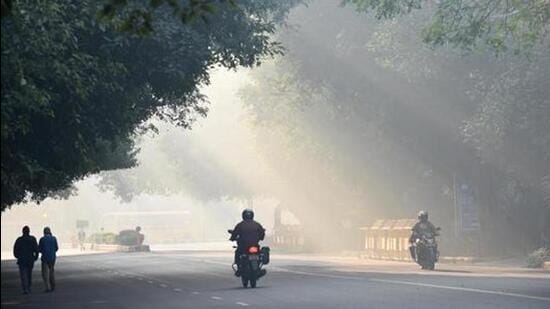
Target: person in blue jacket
(48, 248)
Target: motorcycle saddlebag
(265, 255)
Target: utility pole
(455, 208)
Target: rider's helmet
(423, 215)
(248, 214)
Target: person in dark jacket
(48, 248)
(247, 233)
(422, 227)
(25, 251)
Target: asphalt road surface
(205, 280)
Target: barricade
(388, 239)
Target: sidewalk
(8, 255)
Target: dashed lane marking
(177, 290)
(241, 303)
(216, 297)
(163, 285)
(195, 293)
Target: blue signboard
(467, 208)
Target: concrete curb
(120, 248)
(442, 259)
(460, 259)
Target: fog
(220, 147)
(358, 121)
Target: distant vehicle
(160, 226)
(250, 264)
(426, 253)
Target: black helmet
(423, 215)
(248, 214)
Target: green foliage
(500, 25)
(385, 8)
(537, 258)
(104, 238)
(75, 91)
(137, 16)
(385, 107)
(6, 7)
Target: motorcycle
(250, 264)
(425, 250)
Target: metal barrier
(288, 237)
(388, 239)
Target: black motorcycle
(250, 264)
(425, 250)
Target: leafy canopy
(501, 25)
(75, 90)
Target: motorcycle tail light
(253, 250)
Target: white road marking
(163, 285)
(416, 284)
(195, 293)
(241, 303)
(177, 290)
(461, 289)
(140, 279)
(315, 274)
(150, 282)
(216, 297)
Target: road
(204, 280)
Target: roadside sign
(82, 224)
(467, 208)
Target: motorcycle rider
(247, 233)
(422, 227)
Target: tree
(75, 91)
(388, 107)
(500, 25)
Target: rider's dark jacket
(422, 228)
(247, 233)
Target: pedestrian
(48, 247)
(140, 237)
(25, 251)
(81, 239)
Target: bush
(537, 258)
(103, 238)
